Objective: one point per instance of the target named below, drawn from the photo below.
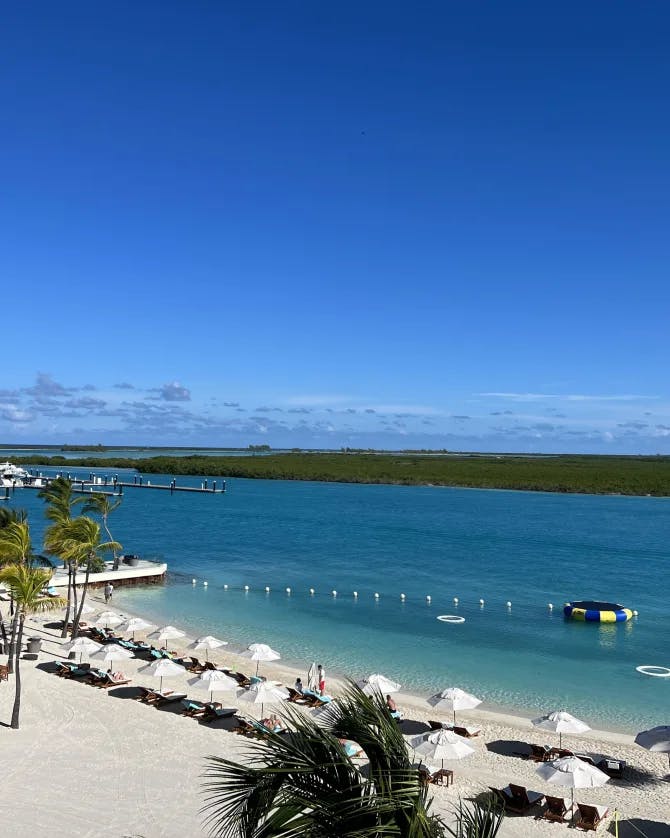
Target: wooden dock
(114, 487)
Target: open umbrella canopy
(441, 744)
(454, 698)
(206, 643)
(265, 692)
(655, 739)
(108, 619)
(573, 773)
(111, 652)
(167, 633)
(260, 652)
(377, 682)
(163, 668)
(214, 681)
(135, 624)
(82, 646)
(87, 609)
(560, 721)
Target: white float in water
(634, 613)
(288, 590)
(402, 596)
(267, 589)
(225, 587)
(334, 593)
(193, 581)
(428, 598)
(376, 595)
(654, 671)
(455, 600)
(509, 604)
(311, 591)
(205, 583)
(246, 587)
(356, 593)
(451, 618)
(550, 606)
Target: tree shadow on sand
(636, 827)
(409, 727)
(634, 776)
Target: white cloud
(568, 397)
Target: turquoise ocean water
(528, 548)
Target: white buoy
(288, 590)
(311, 590)
(193, 581)
(356, 593)
(246, 587)
(205, 583)
(455, 600)
(225, 587)
(334, 593)
(402, 596)
(634, 613)
(376, 595)
(428, 598)
(509, 604)
(550, 606)
(267, 589)
(481, 601)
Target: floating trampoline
(597, 612)
(451, 618)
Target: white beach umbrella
(560, 721)
(454, 698)
(265, 692)
(379, 682)
(207, 643)
(87, 609)
(134, 624)
(167, 633)
(215, 681)
(260, 652)
(111, 652)
(655, 739)
(441, 744)
(163, 668)
(573, 773)
(108, 619)
(82, 646)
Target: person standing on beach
(321, 679)
(109, 590)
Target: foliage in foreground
(304, 784)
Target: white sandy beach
(89, 763)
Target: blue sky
(371, 224)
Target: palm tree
(15, 548)
(26, 584)
(60, 501)
(99, 504)
(80, 543)
(480, 818)
(306, 785)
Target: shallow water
(528, 548)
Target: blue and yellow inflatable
(597, 612)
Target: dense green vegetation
(566, 473)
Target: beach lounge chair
(296, 697)
(539, 753)
(72, 670)
(161, 699)
(147, 696)
(211, 714)
(517, 799)
(107, 682)
(559, 809)
(194, 708)
(612, 767)
(590, 817)
(559, 753)
(467, 731)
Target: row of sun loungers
(519, 800)
(467, 731)
(610, 765)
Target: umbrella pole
(454, 718)
(160, 689)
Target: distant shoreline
(562, 473)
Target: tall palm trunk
(75, 595)
(77, 619)
(17, 676)
(69, 600)
(12, 641)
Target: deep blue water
(528, 548)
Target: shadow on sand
(509, 748)
(640, 828)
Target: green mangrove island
(625, 475)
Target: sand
(91, 763)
